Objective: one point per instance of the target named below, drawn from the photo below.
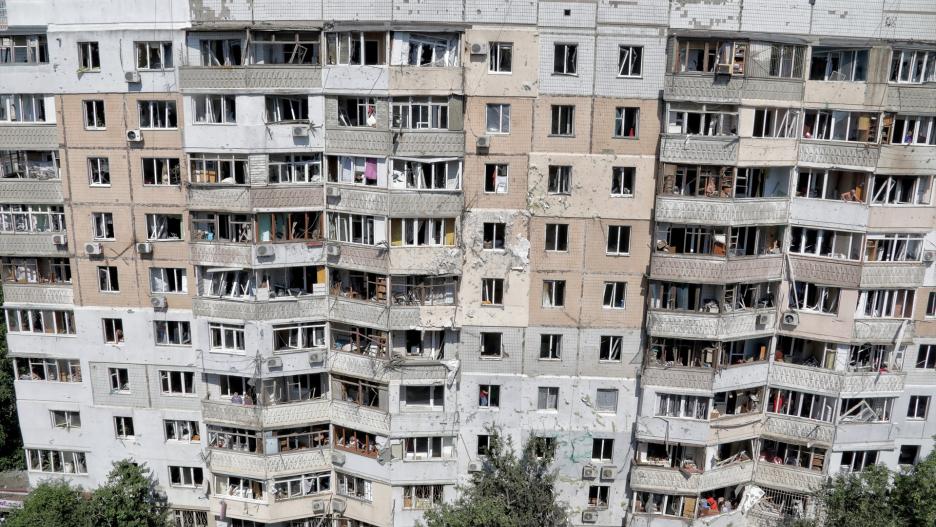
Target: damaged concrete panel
(763, 16)
(428, 10)
(214, 11)
(911, 99)
(422, 81)
(636, 12)
(358, 142)
(715, 270)
(500, 11)
(722, 15)
(430, 205)
(846, 18)
(905, 19)
(425, 260)
(698, 149)
(728, 212)
(829, 213)
(826, 271)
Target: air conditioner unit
(484, 142)
(300, 131)
(333, 250)
(791, 318)
(929, 256)
(93, 248)
(318, 507)
(134, 136)
(338, 458)
(316, 357)
(59, 239)
(333, 192)
(479, 49)
(264, 250)
(763, 319)
(589, 517)
(158, 302)
(132, 76)
(339, 506)
(723, 69)
(608, 471)
(144, 248)
(475, 466)
(589, 472)
(274, 362)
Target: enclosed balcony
(709, 311)
(282, 293)
(707, 70)
(423, 301)
(715, 253)
(30, 176)
(36, 280)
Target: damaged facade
(300, 257)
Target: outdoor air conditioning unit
(59, 239)
(723, 69)
(791, 319)
(264, 250)
(608, 471)
(484, 142)
(93, 248)
(475, 466)
(318, 507)
(589, 517)
(929, 256)
(144, 248)
(333, 250)
(763, 319)
(339, 506)
(134, 136)
(158, 302)
(589, 472)
(338, 458)
(274, 362)
(479, 48)
(316, 357)
(132, 76)
(300, 131)
(333, 192)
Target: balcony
(788, 478)
(426, 260)
(861, 384)
(714, 269)
(38, 294)
(438, 143)
(243, 198)
(891, 275)
(268, 510)
(359, 141)
(365, 419)
(423, 80)
(839, 155)
(728, 475)
(756, 90)
(675, 377)
(221, 254)
(266, 78)
(828, 214)
(32, 245)
(708, 326)
(714, 211)
(361, 200)
(231, 414)
(29, 137)
(882, 330)
(369, 313)
(262, 467)
(703, 88)
(699, 149)
(864, 433)
(754, 373)
(433, 204)
(228, 198)
(356, 364)
(798, 430)
(831, 271)
(805, 378)
(38, 191)
(313, 306)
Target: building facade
(302, 258)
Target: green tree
(915, 493)
(51, 504)
(128, 499)
(860, 499)
(511, 491)
(11, 443)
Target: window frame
(501, 111)
(626, 55)
(621, 118)
(89, 56)
(914, 410)
(562, 120)
(152, 109)
(568, 53)
(496, 58)
(94, 112)
(550, 347)
(163, 49)
(547, 398)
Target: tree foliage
(51, 504)
(11, 443)
(511, 491)
(915, 493)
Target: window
(423, 448)
(910, 129)
(618, 240)
(18, 218)
(113, 330)
(821, 242)
(102, 225)
(602, 450)
(560, 179)
(598, 496)
(801, 404)
(168, 280)
(422, 232)
(609, 348)
(564, 59)
(926, 357)
(714, 56)
(629, 61)
(163, 227)
(858, 460)
(626, 122)
(421, 497)
(835, 125)
(285, 47)
(226, 337)
(550, 347)
(835, 185)
(185, 476)
(40, 321)
(161, 171)
(776, 122)
(215, 109)
(295, 168)
(65, 419)
(173, 333)
(606, 400)
(48, 370)
(22, 109)
(562, 120)
(614, 295)
(432, 397)
(419, 113)
(301, 485)
(495, 178)
(865, 410)
(35, 270)
(622, 182)
(107, 279)
(900, 190)
(557, 237)
(489, 396)
(806, 296)
(119, 380)
(491, 346)
(28, 164)
(484, 443)
(501, 57)
(908, 454)
(351, 228)
(352, 170)
(88, 57)
(174, 382)
(919, 407)
(56, 461)
(218, 168)
(931, 305)
(786, 61)
(299, 336)
(180, 430)
(355, 48)
(221, 52)
(684, 406)
(23, 49)
(553, 293)
(492, 291)
(123, 427)
(431, 175)
(498, 118)
(885, 303)
(494, 235)
(157, 114)
(353, 487)
(547, 398)
(357, 111)
(94, 115)
(839, 65)
(544, 447)
(99, 171)
(437, 50)
(153, 55)
(702, 119)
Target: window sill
(499, 357)
(166, 129)
(636, 77)
(561, 136)
(616, 254)
(227, 352)
(562, 74)
(626, 137)
(544, 359)
(158, 240)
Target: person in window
(237, 399)
(483, 397)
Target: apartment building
(299, 258)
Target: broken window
(776, 122)
(102, 225)
(168, 280)
(292, 282)
(356, 391)
(602, 450)
(790, 454)
(295, 168)
(714, 56)
(886, 303)
(35, 270)
(694, 180)
(495, 178)
(185, 476)
(358, 339)
(874, 358)
(357, 442)
(173, 333)
(354, 487)
(94, 116)
(839, 65)
(352, 170)
(564, 59)
(222, 227)
(826, 243)
(442, 174)
(65, 419)
(598, 496)
(26, 108)
(351, 228)
(107, 279)
(48, 370)
(15, 218)
(157, 114)
(918, 407)
(161, 171)
(355, 48)
(498, 118)
(557, 237)
(786, 61)
(606, 400)
(488, 396)
(29, 164)
(422, 497)
(668, 504)
(550, 347)
(424, 290)
(618, 240)
(629, 61)
(123, 427)
(563, 117)
(610, 347)
(622, 181)
(703, 119)
(438, 50)
(801, 404)
(501, 57)
(910, 129)
(56, 461)
(684, 406)
(838, 185)
(422, 448)
(492, 291)
(221, 52)
(626, 122)
(866, 410)
(48, 321)
(289, 226)
(560, 179)
(163, 227)
(119, 380)
(239, 488)
(858, 460)
(215, 109)
(153, 55)
(298, 336)
(287, 108)
(491, 345)
(357, 111)
(893, 247)
(554, 293)
(24, 49)
(89, 57)
(494, 235)
(913, 66)
(228, 338)
(419, 113)
(614, 296)
(285, 47)
(228, 169)
(837, 125)
(692, 239)
(422, 232)
(431, 396)
(807, 296)
(737, 402)
(177, 382)
(926, 356)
